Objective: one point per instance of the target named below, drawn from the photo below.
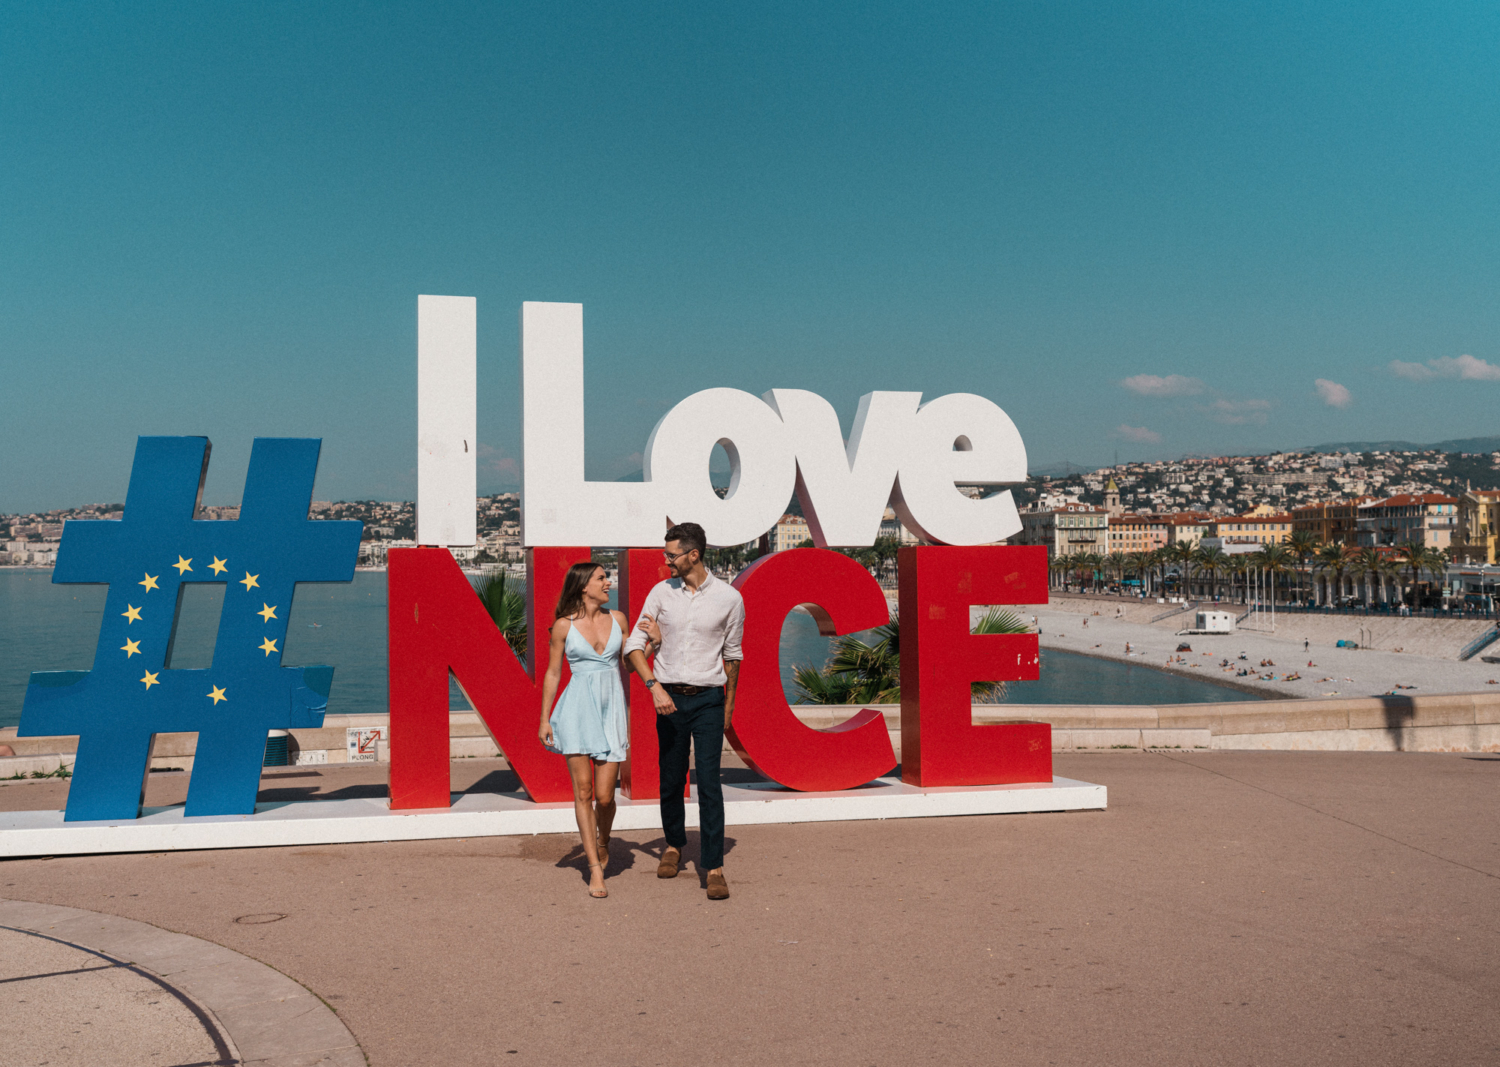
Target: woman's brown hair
(578, 577)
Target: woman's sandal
(602, 893)
(603, 846)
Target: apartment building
(1430, 519)
(1253, 529)
(1138, 533)
(1476, 535)
(1188, 527)
(1335, 520)
(789, 532)
(1065, 531)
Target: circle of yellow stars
(184, 565)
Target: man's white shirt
(699, 630)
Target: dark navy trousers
(698, 719)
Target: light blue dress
(590, 716)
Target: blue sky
(1151, 228)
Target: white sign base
(329, 822)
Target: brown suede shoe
(718, 889)
(670, 859)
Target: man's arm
(636, 646)
(734, 632)
(731, 679)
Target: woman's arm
(554, 674)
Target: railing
(1188, 606)
(1389, 610)
(1479, 644)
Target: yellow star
(149, 583)
(268, 646)
(249, 582)
(150, 680)
(130, 648)
(217, 566)
(132, 614)
(183, 565)
(217, 694)
(266, 612)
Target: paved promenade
(1229, 908)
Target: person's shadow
(628, 855)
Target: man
(694, 621)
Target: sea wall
(1451, 722)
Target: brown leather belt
(677, 689)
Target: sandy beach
(1071, 625)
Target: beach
(1089, 626)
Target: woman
(589, 725)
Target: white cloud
(1238, 412)
(1417, 372)
(1333, 394)
(1138, 434)
(1156, 385)
(1466, 368)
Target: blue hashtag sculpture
(147, 557)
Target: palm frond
(506, 607)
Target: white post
(447, 479)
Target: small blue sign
(147, 557)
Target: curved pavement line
(264, 1018)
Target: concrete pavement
(1229, 908)
(81, 987)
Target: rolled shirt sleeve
(637, 640)
(734, 631)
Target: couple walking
(690, 627)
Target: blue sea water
(55, 627)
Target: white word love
(902, 452)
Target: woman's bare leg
(605, 776)
(582, 770)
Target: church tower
(1112, 499)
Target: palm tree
(1413, 554)
(1239, 568)
(870, 673)
(506, 606)
(1304, 545)
(1159, 564)
(1332, 558)
(1181, 554)
(1390, 567)
(1057, 565)
(1433, 561)
(1140, 564)
(1367, 563)
(1084, 568)
(1274, 560)
(1213, 560)
(1116, 562)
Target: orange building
(1138, 533)
(1253, 529)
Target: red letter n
(437, 624)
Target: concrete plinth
(321, 822)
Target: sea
(48, 627)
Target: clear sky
(1143, 228)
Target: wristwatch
(651, 683)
